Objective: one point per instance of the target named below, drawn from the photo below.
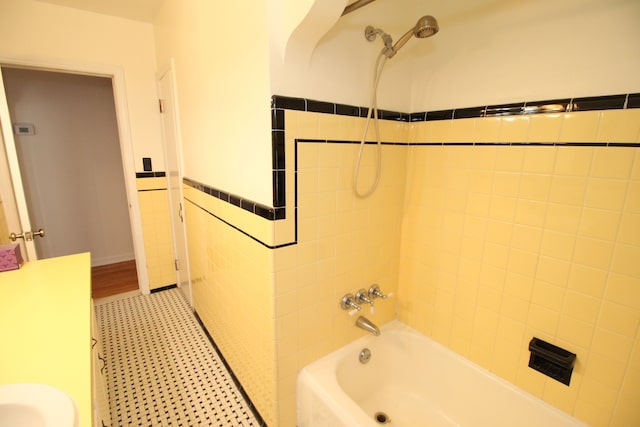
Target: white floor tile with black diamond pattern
(161, 368)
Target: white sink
(36, 405)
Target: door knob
(28, 236)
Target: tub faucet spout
(366, 324)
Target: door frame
(116, 74)
(173, 155)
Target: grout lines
(161, 368)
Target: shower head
(425, 27)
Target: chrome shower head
(425, 27)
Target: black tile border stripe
(163, 288)
(151, 174)
(259, 209)
(606, 102)
(521, 144)
(469, 143)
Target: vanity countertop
(45, 327)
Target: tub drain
(381, 418)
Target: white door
(11, 187)
(173, 162)
(9, 216)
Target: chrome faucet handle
(348, 303)
(374, 292)
(362, 298)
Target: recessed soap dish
(551, 360)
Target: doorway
(70, 162)
(74, 168)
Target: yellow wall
(232, 285)
(498, 244)
(221, 54)
(344, 243)
(272, 306)
(156, 231)
(503, 243)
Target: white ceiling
(139, 10)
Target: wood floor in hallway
(114, 279)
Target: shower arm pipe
(401, 42)
(355, 6)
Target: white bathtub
(414, 381)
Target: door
(9, 217)
(11, 187)
(173, 162)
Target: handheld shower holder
(371, 32)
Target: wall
(72, 168)
(485, 53)
(343, 243)
(501, 52)
(78, 38)
(272, 287)
(505, 242)
(519, 171)
(231, 267)
(336, 66)
(222, 83)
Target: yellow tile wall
(485, 246)
(344, 243)
(503, 243)
(156, 231)
(233, 293)
(281, 302)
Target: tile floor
(162, 370)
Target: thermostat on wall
(24, 129)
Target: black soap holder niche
(551, 360)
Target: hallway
(113, 279)
(162, 370)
